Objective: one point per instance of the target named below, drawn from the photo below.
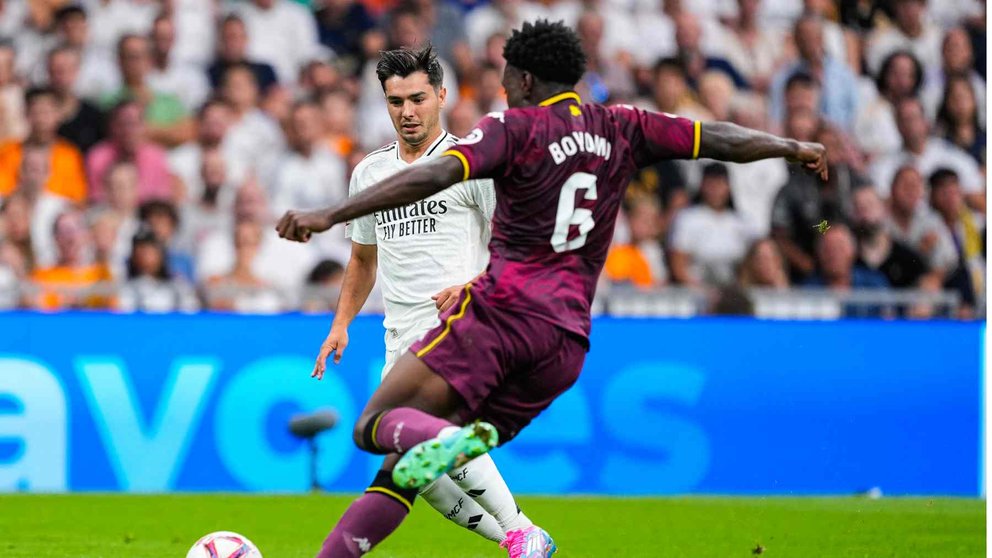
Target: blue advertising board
(102, 402)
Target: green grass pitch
(123, 526)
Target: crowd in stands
(147, 146)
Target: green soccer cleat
(428, 460)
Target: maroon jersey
(560, 171)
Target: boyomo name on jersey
(416, 218)
(580, 142)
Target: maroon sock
(400, 429)
(368, 521)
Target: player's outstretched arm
(413, 184)
(725, 141)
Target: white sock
(481, 480)
(450, 501)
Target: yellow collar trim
(561, 97)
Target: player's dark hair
(942, 177)
(801, 79)
(890, 60)
(550, 51)
(35, 93)
(404, 61)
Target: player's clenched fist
(299, 225)
(813, 156)
(336, 342)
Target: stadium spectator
(43, 207)
(338, 116)
(66, 177)
(876, 131)
(232, 50)
(688, 34)
(910, 31)
(717, 93)
(66, 284)
(342, 26)
(16, 218)
(162, 218)
(98, 74)
(281, 33)
(253, 135)
(967, 229)
(802, 93)
(763, 266)
(105, 224)
(639, 261)
(463, 118)
(127, 141)
(958, 58)
(166, 119)
(110, 20)
(804, 202)
(213, 122)
(836, 270)
(211, 211)
(489, 90)
(316, 78)
(958, 119)
(495, 18)
(608, 74)
(913, 222)
(901, 265)
(196, 30)
(671, 91)
(279, 264)
(151, 285)
(446, 30)
(170, 75)
(13, 124)
(82, 122)
(928, 153)
(324, 285)
(240, 289)
(839, 101)
(754, 50)
(710, 238)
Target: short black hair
(801, 78)
(941, 177)
(324, 270)
(158, 207)
(550, 51)
(144, 235)
(668, 63)
(887, 66)
(716, 170)
(66, 12)
(405, 61)
(35, 93)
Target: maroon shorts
(508, 368)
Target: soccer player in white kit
(425, 253)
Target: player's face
(414, 107)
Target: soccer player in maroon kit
(517, 337)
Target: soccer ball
(224, 544)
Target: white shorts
(397, 342)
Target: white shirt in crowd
(753, 187)
(715, 241)
(46, 209)
(257, 139)
(426, 246)
(186, 162)
(875, 129)
(937, 154)
(185, 81)
(884, 41)
(925, 222)
(195, 32)
(109, 20)
(284, 265)
(320, 180)
(284, 36)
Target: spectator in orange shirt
(65, 284)
(67, 177)
(639, 261)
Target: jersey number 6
(569, 215)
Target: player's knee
(358, 433)
(365, 431)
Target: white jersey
(423, 247)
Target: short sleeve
(483, 194)
(485, 151)
(656, 136)
(361, 229)
(683, 231)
